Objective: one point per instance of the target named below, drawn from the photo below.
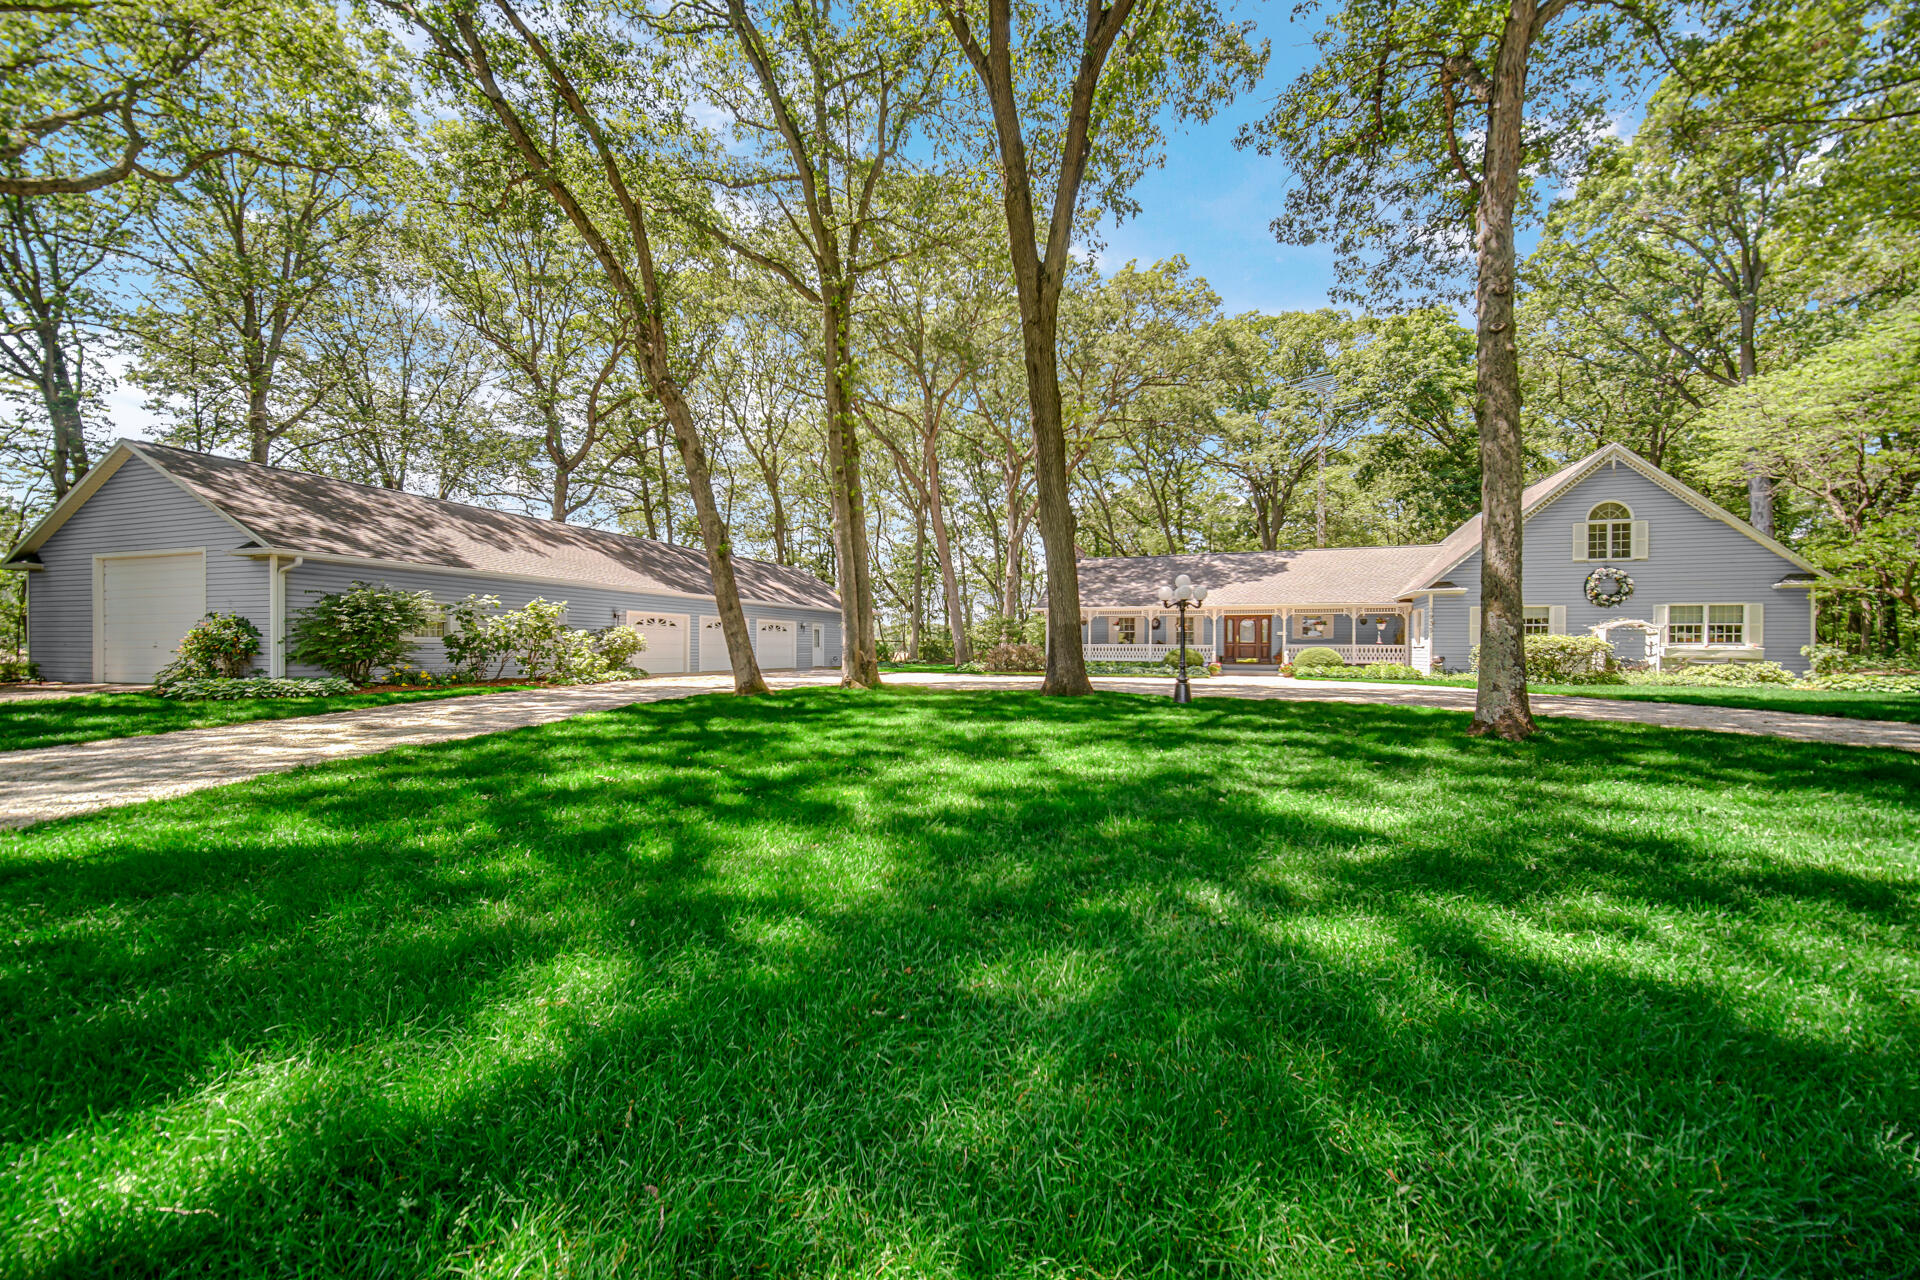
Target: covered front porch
(1359, 633)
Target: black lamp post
(1182, 595)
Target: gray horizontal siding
(589, 608)
(137, 509)
(1692, 558)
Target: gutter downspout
(277, 613)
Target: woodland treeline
(756, 278)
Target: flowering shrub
(220, 644)
(351, 632)
(1869, 682)
(219, 689)
(13, 670)
(474, 640)
(1565, 660)
(402, 673)
(483, 640)
(1712, 675)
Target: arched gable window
(1610, 532)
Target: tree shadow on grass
(861, 979)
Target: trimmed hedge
(1318, 658)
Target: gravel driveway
(56, 782)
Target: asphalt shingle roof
(306, 513)
(1257, 579)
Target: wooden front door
(1249, 638)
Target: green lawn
(88, 717)
(929, 984)
(1813, 702)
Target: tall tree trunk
(943, 548)
(917, 603)
(62, 402)
(259, 421)
(713, 530)
(643, 298)
(1066, 659)
(1759, 483)
(1500, 705)
(859, 646)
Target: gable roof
(1255, 579)
(299, 513)
(1465, 540)
(1362, 575)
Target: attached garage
(774, 644)
(713, 646)
(142, 606)
(666, 637)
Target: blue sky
(1212, 202)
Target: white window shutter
(1580, 540)
(1473, 626)
(1557, 619)
(1755, 635)
(1639, 540)
(1660, 621)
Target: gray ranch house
(154, 537)
(1706, 586)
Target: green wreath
(1607, 586)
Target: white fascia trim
(461, 571)
(1805, 585)
(50, 523)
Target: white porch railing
(1357, 654)
(1137, 652)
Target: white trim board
(324, 557)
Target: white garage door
(774, 646)
(666, 636)
(146, 604)
(713, 646)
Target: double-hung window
(1537, 620)
(1125, 630)
(1610, 532)
(435, 626)
(1707, 624)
